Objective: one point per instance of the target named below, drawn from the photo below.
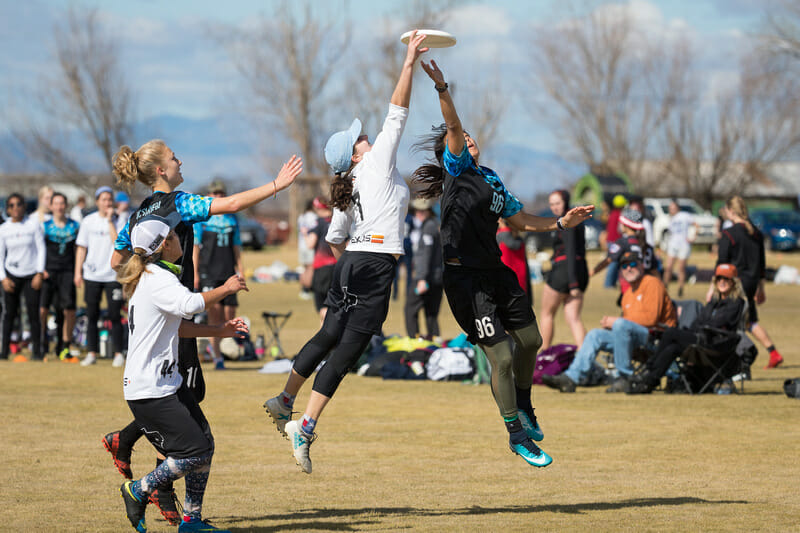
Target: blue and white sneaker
(532, 454)
(280, 413)
(301, 442)
(531, 425)
(195, 525)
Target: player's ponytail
(129, 166)
(737, 206)
(431, 175)
(132, 270)
(342, 190)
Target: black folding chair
(275, 322)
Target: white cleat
(90, 359)
(301, 442)
(279, 413)
(119, 361)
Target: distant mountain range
(212, 147)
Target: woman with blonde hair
(43, 213)
(742, 245)
(723, 311)
(156, 166)
(158, 312)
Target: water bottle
(260, 347)
(104, 343)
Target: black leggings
(93, 293)
(345, 348)
(431, 302)
(11, 311)
(673, 343)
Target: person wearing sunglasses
(645, 305)
(22, 258)
(723, 311)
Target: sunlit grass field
(408, 455)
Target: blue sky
(178, 70)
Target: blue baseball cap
(101, 190)
(122, 196)
(339, 148)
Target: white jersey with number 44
(155, 311)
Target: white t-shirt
(375, 220)
(22, 249)
(155, 311)
(679, 226)
(76, 213)
(95, 236)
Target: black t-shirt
(60, 245)
(745, 251)
(217, 238)
(630, 243)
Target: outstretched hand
(576, 215)
(289, 171)
(413, 46)
(235, 327)
(235, 284)
(433, 72)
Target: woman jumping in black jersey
(483, 293)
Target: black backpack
(792, 387)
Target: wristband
(559, 224)
(274, 189)
(442, 88)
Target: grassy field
(421, 455)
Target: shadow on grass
(316, 518)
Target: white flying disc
(434, 39)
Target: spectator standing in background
(612, 235)
(637, 204)
(514, 256)
(742, 245)
(305, 255)
(217, 255)
(424, 287)
(123, 205)
(568, 277)
(679, 245)
(22, 259)
(95, 244)
(42, 212)
(324, 260)
(58, 288)
(76, 213)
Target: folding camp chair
(720, 356)
(275, 322)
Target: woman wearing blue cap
(93, 272)
(156, 166)
(370, 201)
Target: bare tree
(781, 34)
(85, 99)
(717, 150)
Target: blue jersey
(216, 237)
(473, 199)
(60, 245)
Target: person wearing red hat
(324, 261)
(723, 311)
(632, 240)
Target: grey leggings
(512, 371)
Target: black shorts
(190, 369)
(361, 290)
(59, 290)
(486, 302)
(558, 278)
(175, 425)
(321, 284)
(211, 284)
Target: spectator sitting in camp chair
(725, 312)
(645, 305)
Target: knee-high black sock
(127, 438)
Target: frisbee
(434, 39)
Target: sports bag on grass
(553, 361)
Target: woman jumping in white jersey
(370, 200)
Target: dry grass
(421, 455)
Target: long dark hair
(342, 189)
(564, 194)
(431, 174)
